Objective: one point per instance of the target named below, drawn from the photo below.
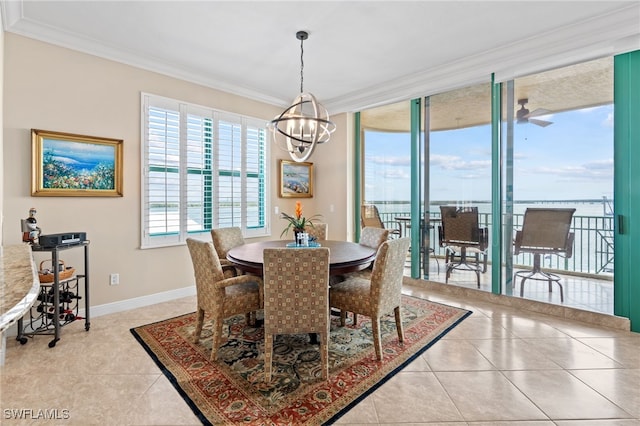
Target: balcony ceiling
(360, 54)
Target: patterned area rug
(233, 390)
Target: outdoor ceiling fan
(524, 116)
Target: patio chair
(377, 296)
(460, 235)
(220, 297)
(545, 231)
(370, 217)
(296, 298)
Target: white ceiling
(359, 53)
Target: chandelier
(305, 123)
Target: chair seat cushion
(352, 294)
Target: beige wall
(52, 88)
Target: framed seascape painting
(68, 165)
(296, 179)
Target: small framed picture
(68, 165)
(296, 179)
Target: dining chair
(318, 230)
(373, 237)
(545, 231)
(224, 239)
(296, 298)
(218, 296)
(377, 296)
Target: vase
(297, 231)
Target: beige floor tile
(529, 327)
(622, 387)
(414, 397)
(456, 355)
(362, 414)
(562, 396)
(625, 350)
(478, 327)
(513, 354)
(482, 396)
(572, 354)
(512, 422)
(162, 404)
(418, 364)
(614, 422)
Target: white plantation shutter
(229, 184)
(202, 169)
(198, 181)
(255, 176)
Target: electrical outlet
(114, 279)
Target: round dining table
(344, 256)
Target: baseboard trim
(139, 302)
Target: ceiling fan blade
(538, 112)
(541, 123)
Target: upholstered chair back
(373, 237)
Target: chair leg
(324, 355)
(355, 319)
(396, 311)
(199, 323)
(343, 317)
(218, 325)
(377, 343)
(268, 356)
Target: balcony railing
(592, 251)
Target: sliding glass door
(547, 146)
(558, 150)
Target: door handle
(620, 224)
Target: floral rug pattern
(233, 389)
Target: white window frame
(241, 124)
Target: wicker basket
(48, 275)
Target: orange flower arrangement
(297, 222)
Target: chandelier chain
(301, 64)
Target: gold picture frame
(69, 165)
(296, 179)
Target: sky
(569, 159)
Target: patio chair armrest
(569, 247)
(483, 238)
(517, 242)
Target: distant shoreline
(446, 202)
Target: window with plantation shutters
(202, 169)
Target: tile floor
(588, 292)
(501, 366)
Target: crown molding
(614, 33)
(17, 24)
